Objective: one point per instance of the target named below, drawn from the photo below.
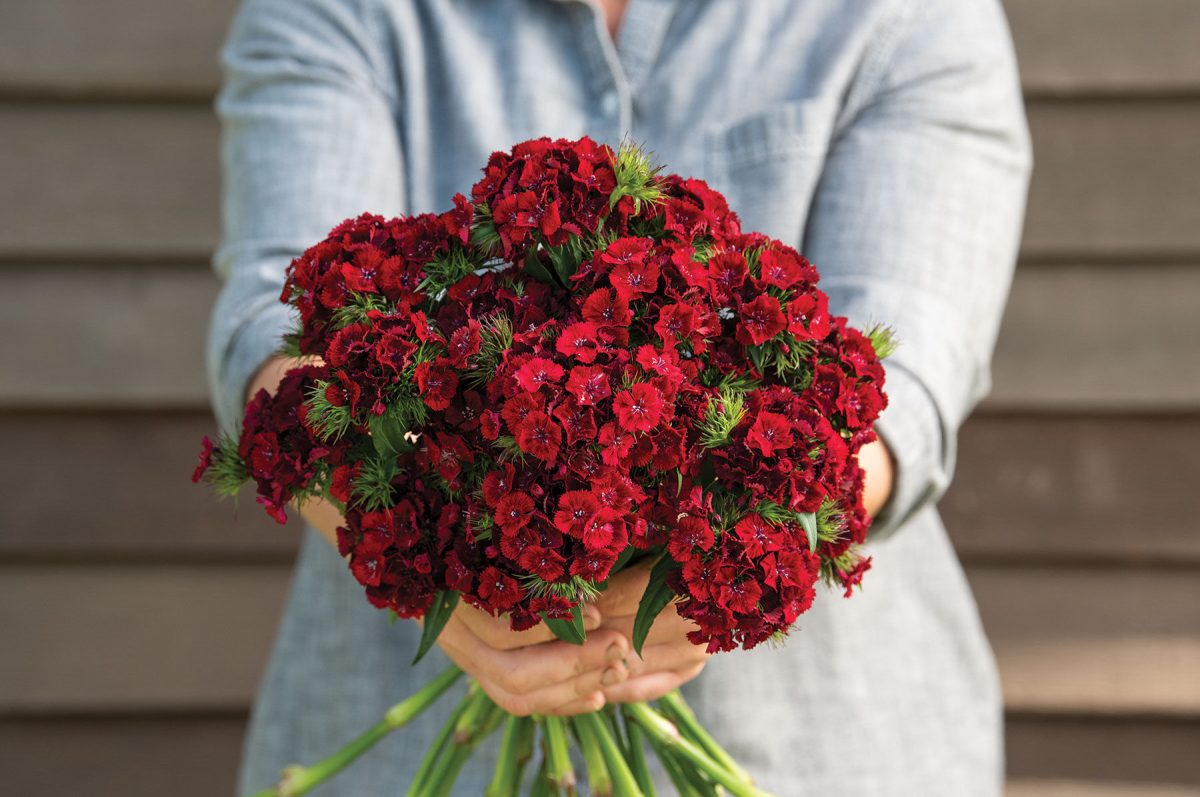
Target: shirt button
(610, 103)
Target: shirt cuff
(912, 430)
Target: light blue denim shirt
(883, 138)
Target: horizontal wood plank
(1129, 47)
(1038, 489)
(113, 48)
(97, 180)
(139, 181)
(1129, 750)
(1052, 488)
(1079, 788)
(137, 48)
(135, 336)
(1057, 651)
(1099, 338)
(1108, 180)
(1110, 640)
(156, 638)
(1060, 347)
(192, 756)
(133, 499)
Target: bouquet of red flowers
(587, 363)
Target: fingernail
(612, 675)
(591, 618)
(614, 653)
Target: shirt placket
(618, 69)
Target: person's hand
(532, 672)
(669, 659)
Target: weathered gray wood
(97, 180)
(1106, 46)
(130, 493)
(189, 756)
(1099, 338)
(1047, 488)
(1106, 640)
(1131, 750)
(142, 181)
(112, 336)
(1080, 788)
(143, 48)
(1114, 178)
(1075, 337)
(162, 638)
(1058, 652)
(112, 47)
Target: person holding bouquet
(884, 139)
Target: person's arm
(309, 138)
(916, 223)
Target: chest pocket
(768, 164)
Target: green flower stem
(671, 767)
(479, 707)
(541, 786)
(599, 780)
(515, 750)
(426, 769)
(615, 723)
(488, 720)
(685, 719)
(700, 784)
(666, 734)
(623, 781)
(298, 780)
(558, 756)
(637, 759)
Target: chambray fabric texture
(884, 138)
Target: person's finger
(497, 633)
(574, 696)
(525, 670)
(593, 702)
(678, 654)
(652, 686)
(529, 669)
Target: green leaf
(568, 630)
(565, 262)
(808, 522)
(623, 559)
(654, 600)
(535, 268)
(436, 618)
(387, 435)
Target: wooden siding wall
(135, 614)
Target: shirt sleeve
(307, 109)
(916, 223)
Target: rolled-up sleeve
(917, 219)
(308, 111)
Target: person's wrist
(878, 475)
